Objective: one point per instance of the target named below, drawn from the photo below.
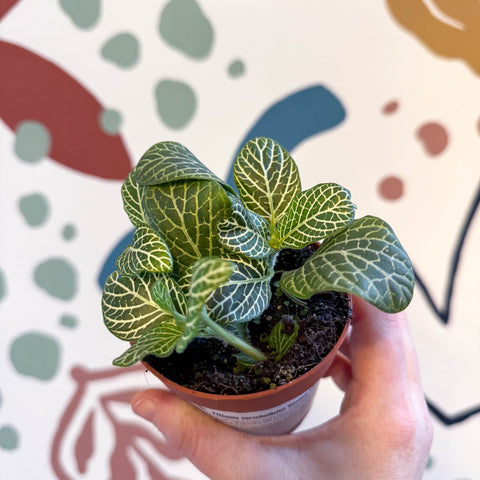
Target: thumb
(217, 450)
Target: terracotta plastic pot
(270, 412)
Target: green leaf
(169, 296)
(131, 196)
(244, 362)
(247, 218)
(159, 341)
(150, 252)
(186, 214)
(281, 342)
(128, 307)
(207, 275)
(243, 240)
(266, 177)
(170, 161)
(241, 233)
(247, 292)
(313, 215)
(126, 264)
(366, 259)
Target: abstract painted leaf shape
(365, 259)
(6, 6)
(85, 446)
(186, 213)
(170, 161)
(159, 340)
(128, 307)
(313, 215)
(71, 114)
(266, 177)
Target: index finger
(381, 350)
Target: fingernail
(145, 408)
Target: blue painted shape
(297, 117)
(109, 265)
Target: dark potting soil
(209, 365)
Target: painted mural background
(382, 97)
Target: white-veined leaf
(159, 341)
(132, 203)
(281, 342)
(128, 307)
(170, 161)
(313, 215)
(365, 259)
(240, 233)
(185, 214)
(207, 275)
(266, 177)
(247, 292)
(150, 252)
(259, 224)
(243, 240)
(168, 294)
(126, 264)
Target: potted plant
(236, 278)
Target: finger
(341, 371)
(214, 448)
(380, 350)
(345, 346)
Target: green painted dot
(236, 68)
(9, 437)
(84, 14)
(35, 355)
(57, 277)
(3, 285)
(176, 103)
(35, 209)
(184, 27)
(32, 142)
(69, 232)
(69, 321)
(122, 49)
(110, 121)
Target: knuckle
(404, 426)
(188, 443)
(411, 426)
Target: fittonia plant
(202, 255)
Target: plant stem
(234, 340)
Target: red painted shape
(35, 89)
(6, 5)
(434, 137)
(85, 444)
(391, 188)
(82, 409)
(390, 107)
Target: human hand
(383, 430)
